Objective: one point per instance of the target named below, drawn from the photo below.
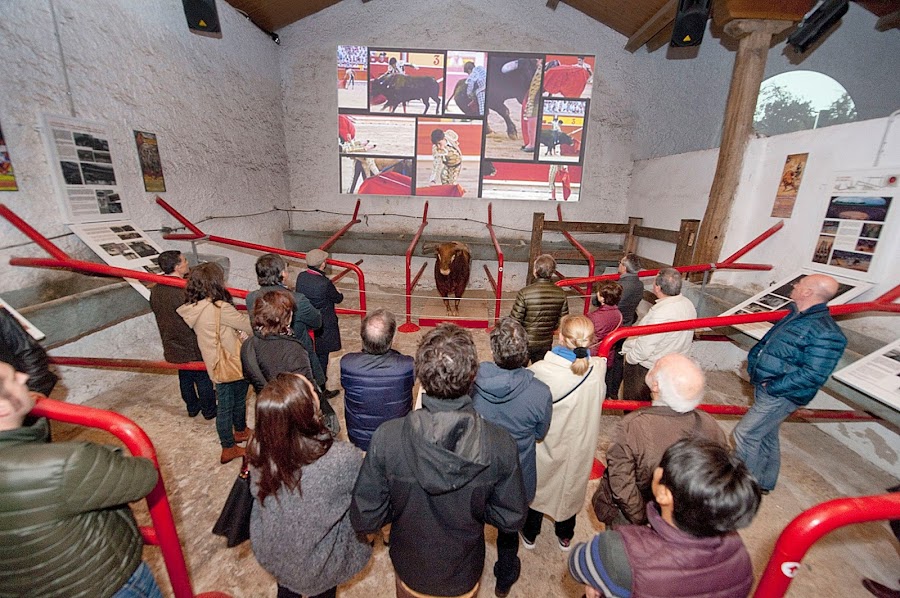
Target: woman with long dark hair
(209, 311)
(303, 481)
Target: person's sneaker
(529, 544)
(193, 413)
(330, 394)
(244, 435)
(565, 544)
(210, 416)
(231, 453)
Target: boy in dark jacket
(506, 393)
(438, 475)
(691, 548)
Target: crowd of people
(503, 443)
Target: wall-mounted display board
(123, 245)
(7, 174)
(778, 296)
(82, 168)
(858, 222)
(454, 123)
(876, 374)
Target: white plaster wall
(215, 105)
(310, 106)
(681, 93)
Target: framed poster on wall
(459, 123)
(81, 164)
(876, 374)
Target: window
(801, 100)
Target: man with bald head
(787, 367)
(676, 387)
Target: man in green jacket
(65, 525)
(539, 307)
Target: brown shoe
(231, 453)
(244, 435)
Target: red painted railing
(586, 291)
(810, 526)
(498, 285)
(411, 282)
(198, 235)
(333, 238)
(163, 532)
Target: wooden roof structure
(641, 21)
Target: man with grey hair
(539, 307)
(642, 352)
(676, 386)
(378, 381)
(632, 293)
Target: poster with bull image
(462, 123)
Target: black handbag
(234, 521)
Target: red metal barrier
(408, 326)
(498, 285)
(353, 220)
(752, 244)
(810, 526)
(125, 364)
(163, 531)
(198, 235)
(804, 414)
(586, 291)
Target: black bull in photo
(399, 89)
(505, 79)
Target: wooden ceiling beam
(654, 25)
(888, 21)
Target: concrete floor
(815, 468)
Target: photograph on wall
(517, 180)
(7, 174)
(122, 244)
(448, 157)
(789, 185)
(852, 240)
(876, 374)
(353, 77)
(481, 108)
(151, 165)
(412, 81)
(778, 296)
(86, 182)
(562, 125)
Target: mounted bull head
(451, 271)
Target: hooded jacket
(520, 404)
(201, 317)
(65, 526)
(438, 476)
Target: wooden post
(537, 235)
(684, 247)
(630, 245)
(749, 65)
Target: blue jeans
(141, 584)
(756, 436)
(197, 392)
(232, 411)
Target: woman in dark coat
(323, 295)
(273, 348)
(303, 481)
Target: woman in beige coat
(566, 455)
(208, 303)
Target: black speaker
(690, 23)
(818, 24)
(202, 17)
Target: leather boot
(231, 453)
(243, 435)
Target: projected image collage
(452, 123)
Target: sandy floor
(816, 468)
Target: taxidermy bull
(399, 89)
(451, 272)
(506, 79)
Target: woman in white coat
(566, 455)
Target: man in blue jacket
(787, 367)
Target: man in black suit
(322, 293)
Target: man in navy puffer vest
(787, 367)
(377, 382)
